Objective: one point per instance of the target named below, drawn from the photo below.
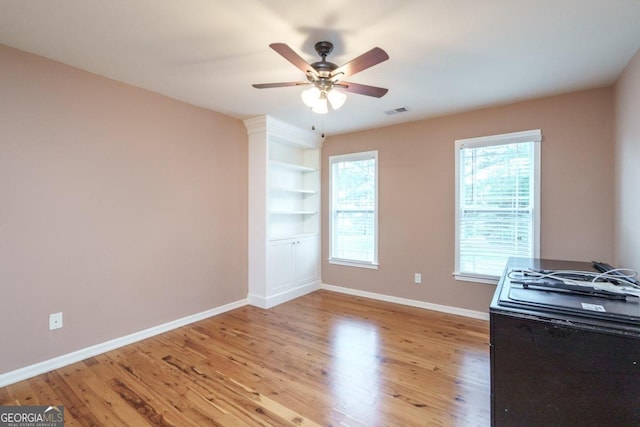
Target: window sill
(349, 263)
(485, 280)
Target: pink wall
(416, 193)
(119, 207)
(627, 165)
(125, 209)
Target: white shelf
(291, 166)
(291, 236)
(293, 190)
(293, 212)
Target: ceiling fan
(325, 76)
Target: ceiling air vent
(397, 110)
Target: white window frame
(534, 136)
(365, 155)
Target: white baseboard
(410, 302)
(76, 356)
(288, 295)
(257, 300)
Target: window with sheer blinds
(353, 209)
(497, 203)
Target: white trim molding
(534, 135)
(471, 274)
(337, 261)
(334, 195)
(273, 300)
(94, 350)
(409, 302)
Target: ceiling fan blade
(362, 62)
(377, 92)
(290, 55)
(285, 84)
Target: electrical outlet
(55, 321)
(418, 278)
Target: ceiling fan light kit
(324, 76)
(336, 98)
(316, 99)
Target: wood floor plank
(119, 411)
(324, 359)
(73, 403)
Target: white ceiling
(445, 55)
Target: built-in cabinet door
(281, 270)
(307, 256)
(292, 262)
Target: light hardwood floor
(323, 359)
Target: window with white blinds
(353, 209)
(497, 203)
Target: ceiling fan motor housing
(324, 67)
(324, 48)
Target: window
(353, 209)
(497, 203)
